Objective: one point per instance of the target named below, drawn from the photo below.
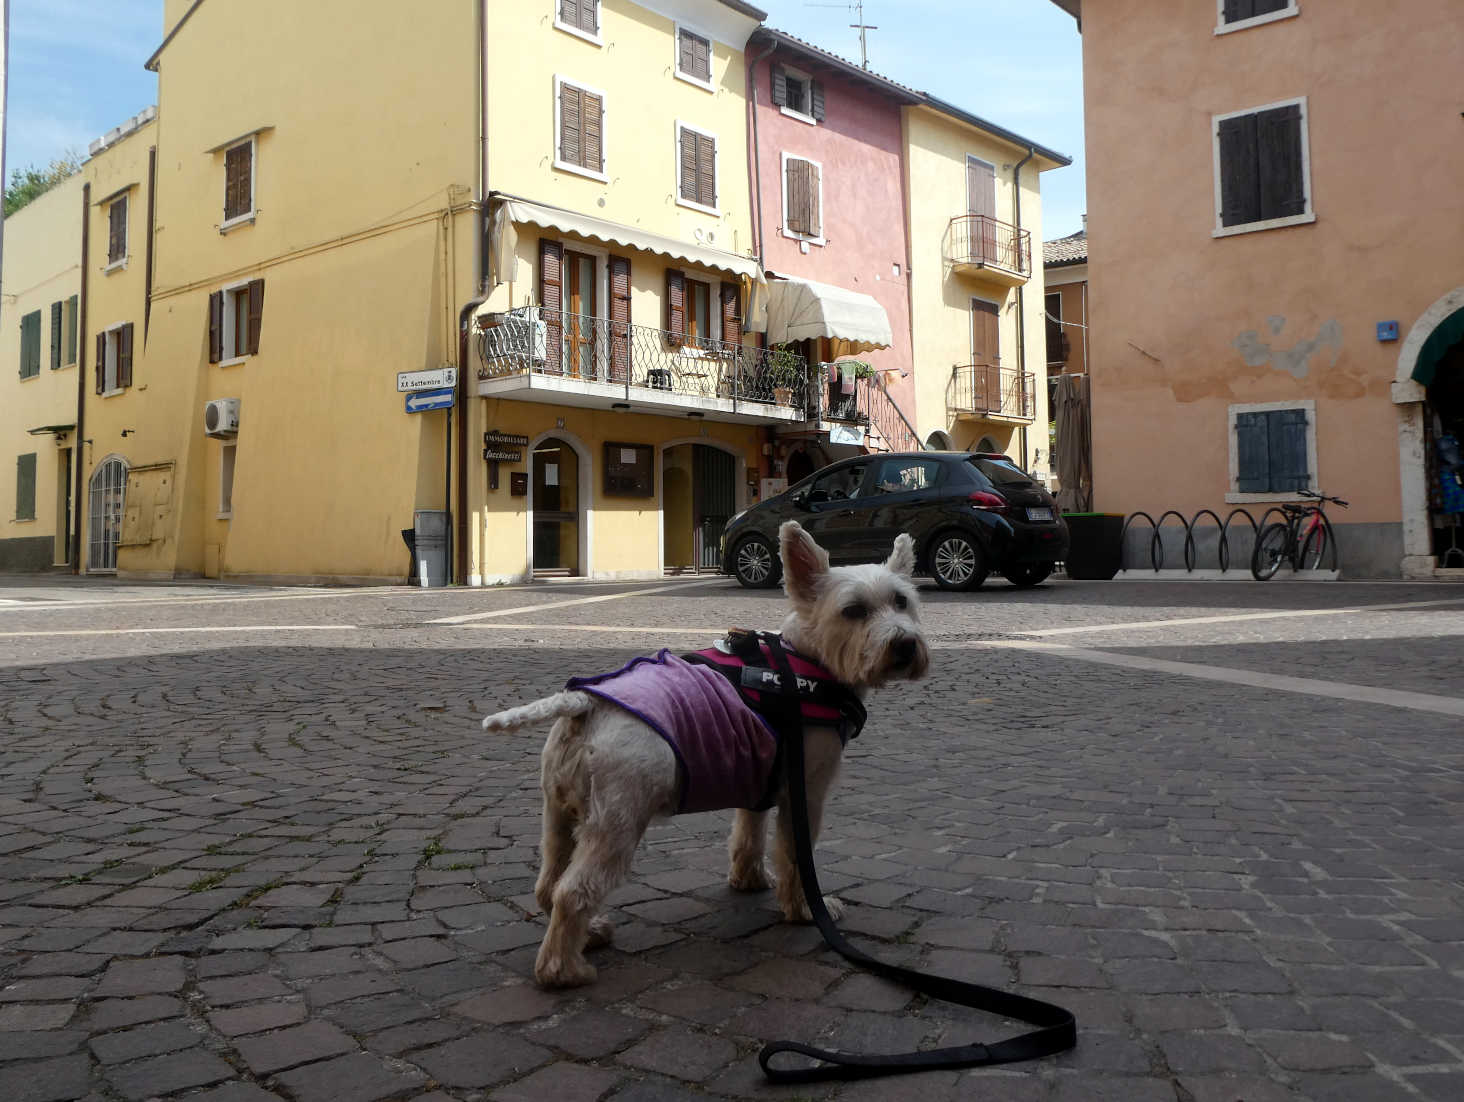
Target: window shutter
(569, 12)
(619, 319)
(731, 313)
(591, 115)
(686, 54)
(795, 216)
(1236, 10)
(256, 313)
(117, 231)
(780, 87)
(215, 327)
(124, 356)
(1281, 184)
(55, 335)
(551, 300)
(238, 197)
(569, 125)
(701, 57)
(1240, 180)
(815, 215)
(71, 319)
(706, 171)
(816, 98)
(101, 362)
(1286, 441)
(1253, 456)
(25, 486)
(985, 332)
(675, 308)
(687, 161)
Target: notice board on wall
(629, 470)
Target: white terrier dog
(608, 770)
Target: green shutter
(1286, 432)
(56, 309)
(1253, 474)
(25, 486)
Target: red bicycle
(1314, 549)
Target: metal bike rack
(1191, 549)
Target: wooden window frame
(705, 83)
(681, 200)
(797, 235)
(569, 166)
(1309, 406)
(1308, 214)
(594, 37)
(1291, 10)
(241, 219)
(116, 262)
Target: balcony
(991, 392)
(534, 355)
(873, 413)
(978, 245)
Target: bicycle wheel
(1319, 549)
(1271, 548)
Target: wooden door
(981, 200)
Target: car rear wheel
(756, 564)
(1026, 575)
(956, 562)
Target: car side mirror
(801, 500)
(813, 497)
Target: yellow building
(975, 208)
(39, 303)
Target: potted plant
(783, 373)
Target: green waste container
(1095, 545)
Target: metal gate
(714, 481)
(108, 498)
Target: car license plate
(1041, 513)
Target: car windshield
(1000, 472)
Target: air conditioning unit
(221, 417)
(523, 335)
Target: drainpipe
(1021, 298)
(756, 162)
(78, 453)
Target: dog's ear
(804, 562)
(902, 558)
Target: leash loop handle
(1058, 1029)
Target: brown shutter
(619, 319)
(706, 171)
(815, 215)
(701, 49)
(985, 332)
(238, 199)
(795, 187)
(124, 356)
(816, 98)
(569, 125)
(101, 362)
(551, 299)
(215, 327)
(687, 161)
(731, 313)
(256, 313)
(780, 87)
(675, 307)
(686, 53)
(591, 110)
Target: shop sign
(503, 447)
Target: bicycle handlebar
(1321, 497)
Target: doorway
(555, 509)
(699, 487)
(108, 494)
(579, 328)
(62, 553)
(1443, 430)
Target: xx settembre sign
(434, 379)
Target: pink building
(829, 209)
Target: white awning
(800, 309)
(513, 212)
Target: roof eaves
(1073, 8)
(891, 88)
(746, 9)
(152, 62)
(991, 128)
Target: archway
(940, 441)
(800, 465)
(107, 494)
(700, 490)
(559, 496)
(986, 444)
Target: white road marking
(1332, 690)
(137, 602)
(1237, 617)
(495, 613)
(176, 631)
(622, 628)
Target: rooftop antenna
(857, 7)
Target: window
(1057, 350)
(114, 359)
(579, 17)
(30, 345)
(1262, 169)
(697, 169)
(238, 184)
(798, 94)
(1238, 14)
(1273, 450)
(226, 479)
(901, 476)
(802, 198)
(235, 318)
(579, 123)
(25, 486)
(117, 233)
(694, 57)
(839, 485)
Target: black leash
(1058, 1029)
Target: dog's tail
(551, 707)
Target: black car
(969, 513)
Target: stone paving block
(256, 1017)
(515, 1003)
(481, 1059)
(36, 1044)
(29, 1016)
(245, 988)
(236, 1092)
(285, 1048)
(1210, 1053)
(591, 1034)
(1311, 1051)
(108, 1014)
(253, 939)
(321, 962)
(178, 1071)
(561, 1082)
(57, 1080)
(148, 1040)
(333, 937)
(418, 952)
(45, 988)
(368, 1015)
(357, 1078)
(414, 1035)
(150, 976)
(682, 1053)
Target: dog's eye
(901, 602)
(855, 612)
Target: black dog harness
(1057, 1028)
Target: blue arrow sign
(424, 400)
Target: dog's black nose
(904, 650)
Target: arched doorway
(698, 497)
(800, 465)
(986, 444)
(557, 509)
(940, 441)
(107, 495)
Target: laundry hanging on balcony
(800, 309)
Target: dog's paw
(798, 911)
(748, 877)
(563, 971)
(602, 932)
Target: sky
(76, 70)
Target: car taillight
(992, 503)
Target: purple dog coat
(724, 750)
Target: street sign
(408, 381)
(424, 400)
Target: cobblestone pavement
(254, 845)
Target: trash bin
(1095, 545)
(429, 547)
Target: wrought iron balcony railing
(988, 390)
(561, 345)
(870, 405)
(980, 241)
